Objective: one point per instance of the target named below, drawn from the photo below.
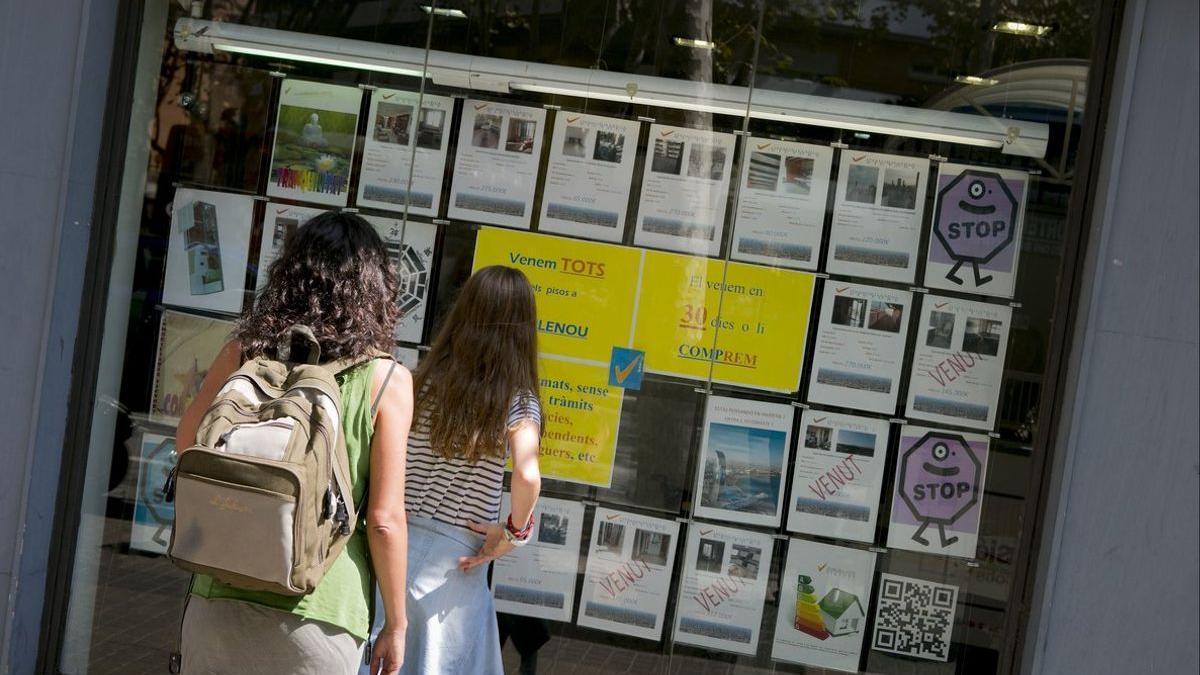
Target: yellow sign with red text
(747, 323)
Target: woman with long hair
(334, 275)
(476, 408)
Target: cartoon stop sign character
(976, 218)
(939, 482)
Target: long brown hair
(334, 276)
(485, 354)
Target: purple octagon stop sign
(976, 219)
(939, 482)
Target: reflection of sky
(746, 445)
(856, 438)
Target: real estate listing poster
(978, 217)
(407, 133)
(153, 515)
(860, 347)
(280, 221)
(741, 324)
(723, 588)
(840, 461)
(585, 290)
(207, 250)
(959, 361)
(589, 176)
(940, 477)
(781, 205)
(315, 132)
(581, 416)
(685, 188)
(877, 216)
(745, 447)
(914, 617)
(187, 345)
(496, 170)
(824, 595)
(538, 579)
(410, 245)
(628, 576)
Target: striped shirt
(452, 489)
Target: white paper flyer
(280, 221)
(781, 205)
(153, 515)
(877, 216)
(860, 347)
(959, 362)
(824, 595)
(743, 453)
(589, 176)
(628, 575)
(685, 189)
(207, 250)
(840, 461)
(411, 247)
(940, 476)
(978, 217)
(315, 132)
(406, 132)
(723, 588)
(496, 170)
(538, 579)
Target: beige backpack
(263, 499)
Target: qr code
(914, 617)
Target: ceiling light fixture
(976, 80)
(466, 72)
(694, 43)
(442, 11)
(1021, 28)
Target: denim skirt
(451, 618)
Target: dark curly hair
(334, 275)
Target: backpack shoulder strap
(342, 365)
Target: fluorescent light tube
(694, 43)
(311, 57)
(1021, 28)
(442, 11)
(973, 79)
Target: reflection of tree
(970, 46)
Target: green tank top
(343, 598)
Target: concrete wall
(54, 75)
(1121, 566)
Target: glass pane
(755, 305)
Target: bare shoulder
(399, 383)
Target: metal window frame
(93, 308)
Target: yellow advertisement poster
(582, 414)
(753, 337)
(585, 290)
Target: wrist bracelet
(514, 533)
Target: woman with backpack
(335, 279)
(476, 408)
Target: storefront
(801, 273)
